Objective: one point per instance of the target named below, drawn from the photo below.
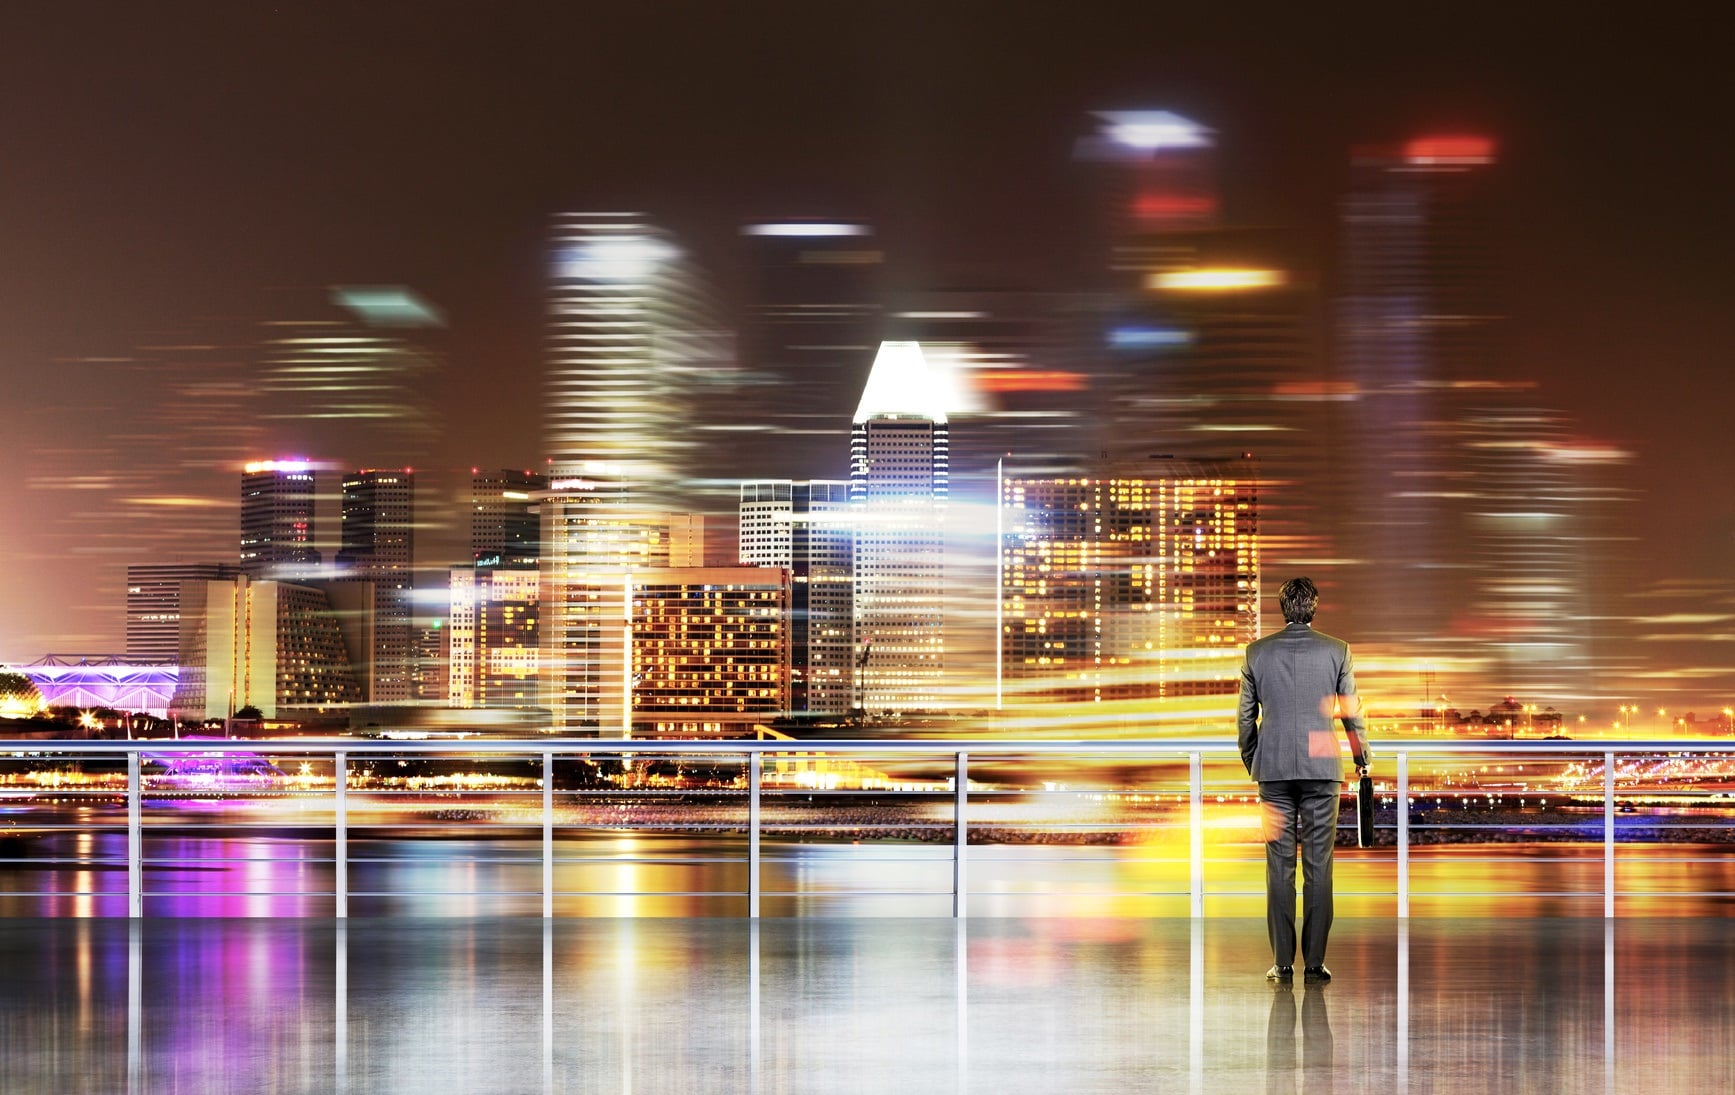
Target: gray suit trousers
(1306, 808)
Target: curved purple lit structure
(103, 680)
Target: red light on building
(1171, 206)
(1027, 380)
(1449, 150)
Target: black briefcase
(1364, 812)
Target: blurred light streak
(1217, 279)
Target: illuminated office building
(505, 530)
(279, 520)
(287, 649)
(379, 509)
(593, 539)
(898, 488)
(1134, 588)
(154, 606)
(710, 650)
(811, 327)
(1418, 327)
(806, 528)
(492, 641)
(635, 354)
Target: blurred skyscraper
(1208, 343)
(898, 487)
(812, 324)
(636, 351)
(807, 529)
(1417, 326)
(352, 375)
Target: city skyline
(1619, 357)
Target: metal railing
(946, 768)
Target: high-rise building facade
(279, 520)
(277, 646)
(379, 514)
(710, 650)
(154, 605)
(635, 352)
(505, 530)
(351, 372)
(807, 529)
(1418, 326)
(898, 488)
(1131, 588)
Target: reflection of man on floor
(1293, 683)
(1316, 1045)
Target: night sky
(163, 162)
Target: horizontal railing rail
(740, 805)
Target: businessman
(1293, 684)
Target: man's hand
(1361, 767)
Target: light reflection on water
(821, 1005)
(672, 874)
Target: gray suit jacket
(1292, 682)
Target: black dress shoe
(1316, 975)
(1281, 975)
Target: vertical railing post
(135, 838)
(1608, 835)
(960, 836)
(340, 842)
(1403, 835)
(547, 833)
(1196, 834)
(755, 766)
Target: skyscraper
(806, 528)
(351, 373)
(379, 548)
(1208, 338)
(505, 530)
(812, 326)
(1418, 325)
(898, 488)
(634, 350)
(279, 520)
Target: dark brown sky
(160, 162)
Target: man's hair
(1299, 598)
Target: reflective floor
(860, 1005)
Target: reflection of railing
(942, 772)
